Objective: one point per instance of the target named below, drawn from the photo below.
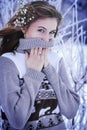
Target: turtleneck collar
(27, 44)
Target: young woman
(34, 86)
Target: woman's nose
(46, 38)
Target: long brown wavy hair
(22, 20)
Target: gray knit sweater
(35, 100)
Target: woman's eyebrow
(42, 27)
(54, 30)
(46, 28)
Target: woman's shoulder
(5, 61)
(7, 64)
(14, 62)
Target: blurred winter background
(71, 41)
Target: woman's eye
(41, 30)
(53, 33)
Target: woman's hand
(37, 59)
(46, 58)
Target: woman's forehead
(46, 22)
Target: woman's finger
(32, 51)
(39, 51)
(26, 55)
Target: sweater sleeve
(68, 100)
(17, 101)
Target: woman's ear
(23, 30)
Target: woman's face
(42, 28)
